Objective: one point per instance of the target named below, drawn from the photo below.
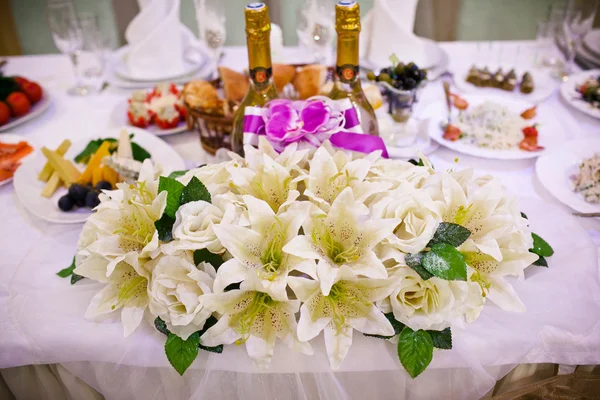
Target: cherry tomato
(20, 80)
(530, 131)
(4, 113)
(18, 103)
(33, 91)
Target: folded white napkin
(156, 41)
(388, 29)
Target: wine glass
(578, 21)
(210, 16)
(68, 38)
(316, 27)
(95, 40)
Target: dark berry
(103, 185)
(410, 83)
(91, 199)
(66, 203)
(78, 192)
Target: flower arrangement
(281, 246)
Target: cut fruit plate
(7, 158)
(29, 188)
(550, 130)
(35, 111)
(544, 85)
(569, 92)
(119, 118)
(555, 170)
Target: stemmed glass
(316, 27)
(210, 16)
(68, 37)
(578, 21)
(96, 41)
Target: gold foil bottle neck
(347, 16)
(257, 19)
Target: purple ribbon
(351, 138)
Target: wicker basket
(214, 129)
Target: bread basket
(213, 126)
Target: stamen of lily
(339, 293)
(460, 216)
(260, 302)
(130, 289)
(482, 281)
(273, 255)
(334, 249)
(339, 182)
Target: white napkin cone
(388, 29)
(156, 40)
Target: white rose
(216, 177)
(175, 291)
(419, 219)
(434, 303)
(194, 221)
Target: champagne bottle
(346, 82)
(262, 89)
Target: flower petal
(338, 343)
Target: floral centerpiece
(281, 246)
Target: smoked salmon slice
(10, 156)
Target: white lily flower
(257, 250)
(175, 291)
(349, 305)
(500, 239)
(330, 175)
(256, 319)
(126, 288)
(270, 182)
(431, 304)
(216, 177)
(340, 241)
(290, 158)
(396, 172)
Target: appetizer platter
(572, 174)
(20, 101)
(532, 85)
(582, 91)
(62, 183)
(14, 149)
(494, 127)
(160, 110)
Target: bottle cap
(347, 16)
(257, 19)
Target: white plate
(35, 111)
(555, 169)
(119, 118)
(28, 187)
(189, 67)
(571, 96)
(544, 84)
(550, 131)
(11, 138)
(592, 42)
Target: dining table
(48, 348)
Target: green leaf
(416, 163)
(414, 261)
(75, 278)
(209, 323)
(445, 262)
(415, 350)
(541, 262)
(138, 152)
(441, 339)
(66, 272)
(194, 191)
(397, 325)
(182, 353)
(164, 226)
(177, 174)
(88, 151)
(203, 255)
(541, 247)
(174, 189)
(524, 215)
(161, 326)
(452, 234)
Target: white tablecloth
(41, 315)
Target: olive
(104, 185)
(422, 75)
(91, 199)
(371, 75)
(412, 66)
(384, 77)
(66, 203)
(399, 69)
(78, 192)
(386, 70)
(410, 83)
